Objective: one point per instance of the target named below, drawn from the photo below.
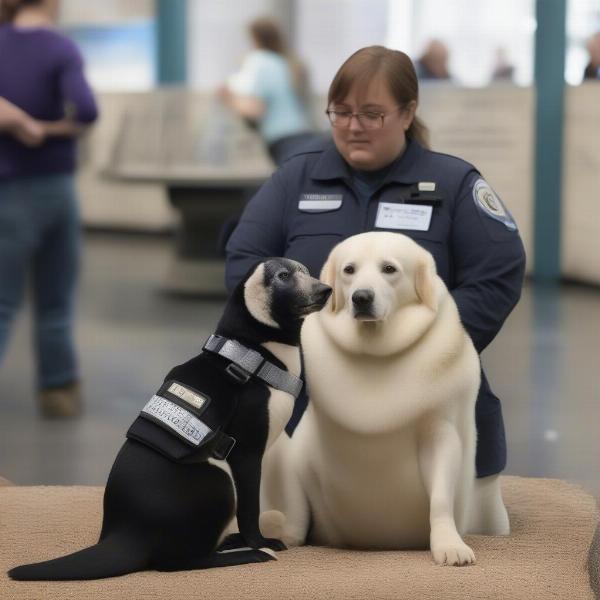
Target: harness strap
(251, 363)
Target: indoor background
(166, 163)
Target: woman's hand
(29, 132)
(63, 128)
(224, 94)
(20, 125)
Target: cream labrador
(384, 456)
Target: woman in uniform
(378, 174)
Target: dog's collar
(246, 362)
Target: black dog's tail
(108, 558)
(112, 557)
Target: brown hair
(267, 35)
(395, 67)
(10, 8)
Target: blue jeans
(40, 240)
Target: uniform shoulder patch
(490, 204)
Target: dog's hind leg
(489, 516)
(285, 509)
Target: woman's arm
(489, 262)
(248, 107)
(244, 91)
(33, 132)
(10, 115)
(260, 233)
(19, 124)
(80, 104)
(63, 128)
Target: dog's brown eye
(389, 269)
(349, 269)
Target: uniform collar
(331, 165)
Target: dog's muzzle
(362, 304)
(317, 298)
(321, 294)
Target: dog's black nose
(363, 298)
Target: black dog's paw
(235, 541)
(273, 544)
(265, 556)
(232, 542)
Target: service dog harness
(186, 425)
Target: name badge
(414, 217)
(177, 419)
(186, 394)
(319, 202)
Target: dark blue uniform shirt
(311, 203)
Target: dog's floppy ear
(425, 282)
(328, 276)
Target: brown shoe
(61, 402)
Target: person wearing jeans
(45, 103)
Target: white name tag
(178, 419)
(403, 216)
(319, 202)
(188, 395)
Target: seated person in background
(270, 92)
(433, 63)
(503, 69)
(592, 71)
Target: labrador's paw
(271, 523)
(448, 549)
(454, 556)
(275, 525)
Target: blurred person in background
(433, 63)
(45, 103)
(592, 70)
(503, 70)
(271, 91)
(378, 173)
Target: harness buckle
(224, 447)
(236, 372)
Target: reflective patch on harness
(487, 201)
(187, 395)
(181, 421)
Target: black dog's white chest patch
(181, 421)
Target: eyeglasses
(368, 119)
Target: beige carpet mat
(546, 556)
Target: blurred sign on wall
(107, 12)
(117, 39)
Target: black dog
(169, 496)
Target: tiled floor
(544, 365)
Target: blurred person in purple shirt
(45, 104)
